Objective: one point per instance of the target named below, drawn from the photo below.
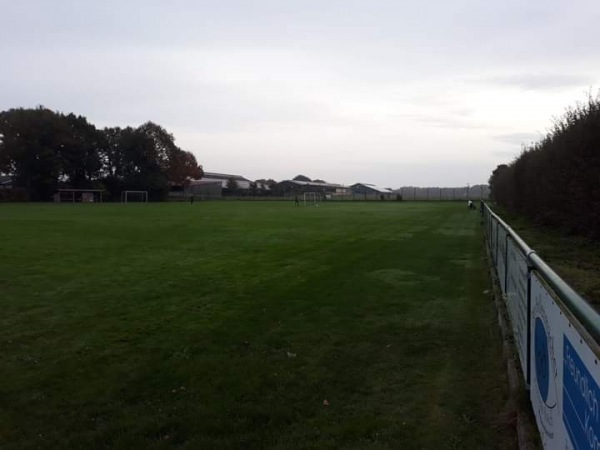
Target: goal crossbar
(312, 198)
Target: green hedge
(556, 181)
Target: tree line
(556, 181)
(44, 150)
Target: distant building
(371, 191)
(288, 188)
(262, 186)
(204, 189)
(211, 185)
(223, 178)
(6, 182)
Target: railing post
(489, 214)
(505, 261)
(496, 254)
(528, 358)
(491, 225)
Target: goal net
(312, 198)
(134, 196)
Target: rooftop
(376, 188)
(197, 182)
(311, 183)
(224, 176)
(5, 179)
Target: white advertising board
(516, 300)
(565, 377)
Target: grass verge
(576, 259)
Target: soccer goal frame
(125, 196)
(312, 198)
(78, 195)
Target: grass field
(575, 258)
(248, 325)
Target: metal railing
(556, 333)
(578, 306)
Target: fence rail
(556, 334)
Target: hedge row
(556, 181)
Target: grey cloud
(504, 154)
(216, 69)
(443, 32)
(455, 121)
(539, 82)
(518, 138)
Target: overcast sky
(396, 93)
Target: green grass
(575, 258)
(226, 325)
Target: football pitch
(228, 325)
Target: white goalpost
(312, 198)
(138, 196)
(78, 195)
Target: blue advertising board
(580, 400)
(565, 376)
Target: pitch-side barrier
(556, 334)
